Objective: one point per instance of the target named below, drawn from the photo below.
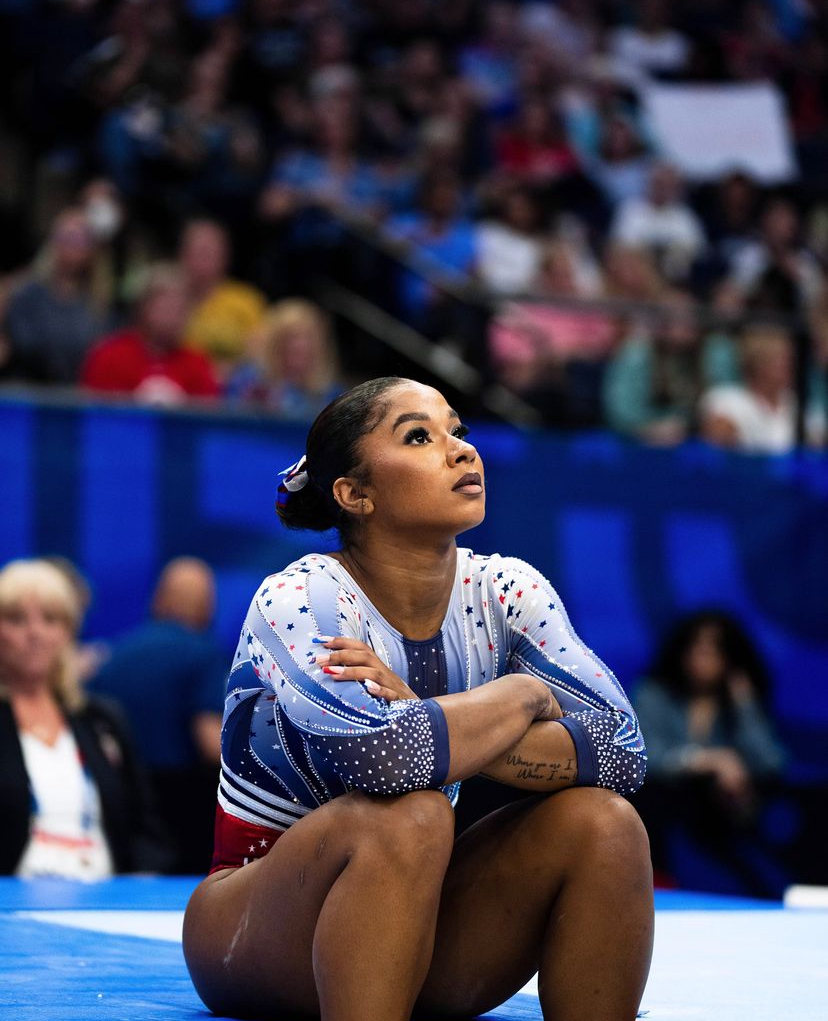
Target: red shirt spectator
(149, 359)
(537, 150)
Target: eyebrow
(418, 416)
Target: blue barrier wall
(631, 537)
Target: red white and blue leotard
(294, 738)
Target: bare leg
(336, 920)
(560, 884)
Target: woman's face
(32, 638)
(424, 476)
(704, 662)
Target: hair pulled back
(332, 450)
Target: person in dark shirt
(168, 675)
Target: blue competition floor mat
(111, 952)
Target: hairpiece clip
(295, 477)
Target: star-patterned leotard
(294, 738)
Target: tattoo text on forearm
(525, 769)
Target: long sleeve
(755, 741)
(541, 641)
(368, 743)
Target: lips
(469, 483)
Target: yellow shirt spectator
(220, 323)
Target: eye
(460, 431)
(418, 436)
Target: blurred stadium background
(599, 227)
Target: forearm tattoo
(522, 770)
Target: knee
(600, 823)
(414, 830)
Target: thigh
(248, 933)
(499, 888)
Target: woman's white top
(66, 837)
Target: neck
(66, 284)
(30, 691)
(410, 587)
(769, 392)
(201, 289)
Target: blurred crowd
(111, 749)
(179, 174)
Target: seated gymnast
(366, 685)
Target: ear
(350, 496)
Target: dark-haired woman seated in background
(367, 684)
(711, 748)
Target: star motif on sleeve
(562, 649)
(469, 609)
(479, 623)
(542, 624)
(303, 609)
(290, 627)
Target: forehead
(412, 397)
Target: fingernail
(321, 660)
(322, 639)
(332, 669)
(372, 686)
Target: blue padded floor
(112, 952)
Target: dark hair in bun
(332, 450)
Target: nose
(461, 451)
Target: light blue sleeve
(374, 745)
(597, 713)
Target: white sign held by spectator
(711, 130)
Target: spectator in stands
(510, 243)
(712, 752)
(329, 177)
(654, 381)
(489, 62)
(622, 165)
(776, 271)
(729, 211)
(443, 240)
(535, 148)
(74, 799)
(62, 305)
(223, 311)
(294, 371)
(168, 675)
(651, 46)
(662, 223)
(759, 415)
(149, 358)
(551, 351)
